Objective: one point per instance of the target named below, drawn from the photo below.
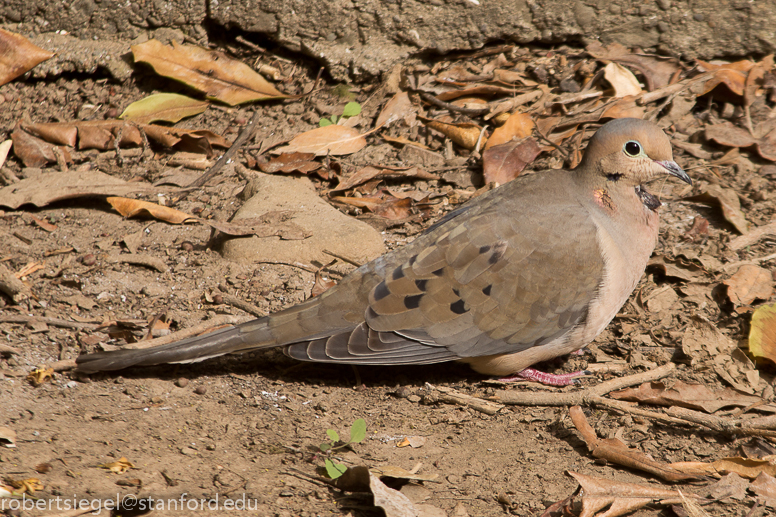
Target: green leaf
(334, 119)
(358, 431)
(169, 107)
(332, 434)
(324, 446)
(334, 470)
(324, 122)
(351, 109)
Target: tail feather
(229, 340)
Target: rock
(331, 229)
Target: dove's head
(630, 152)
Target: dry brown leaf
(692, 396)
(517, 126)
(471, 91)
(598, 493)
(34, 152)
(728, 201)
(622, 80)
(657, 70)
(369, 173)
(330, 140)
(395, 109)
(214, 73)
(7, 437)
(763, 140)
(412, 441)
(132, 207)
(764, 486)
(762, 333)
(746, 467)
(616, 451)
(322, 284)
(119, 466)
(18, 56)
(464, 134)
(40, 375)
(47, 188)
(505, 162)
(302, 163)
(748, 284)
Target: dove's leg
(550, 379)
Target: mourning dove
(532, 270)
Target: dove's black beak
(674, 170)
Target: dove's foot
(550, 379)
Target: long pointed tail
(190, 350)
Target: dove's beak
(674, 170)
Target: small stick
(452, 107)
(243, 305)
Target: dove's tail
(252, 335)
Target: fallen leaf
(302, 163)
(622, 80)
(18, 55)
(748, 284)
(517, 127)
(32, 151)
(395, 109)
(7, 437)
(692, 396)
(46, 188)
(168, 107)
(40, 375)
(464, 134)
(412, 441)
(657, 70)
(621, 498)
(214, 73)
(330, 140)
(24, 486)
(762, 333)
(132, 207)
(727, 200)
(370, 172)
(746, 467)
(728, 134)
(616, 451)
(764, 486)
(503, 163)
(119, 466)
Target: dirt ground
(249, 427)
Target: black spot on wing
(498, 252)
(458, 307)
(486, 290)
(398, 273)
(381, 291)
(412, 302)
(484, 249)
(439, 272)
(421, 284)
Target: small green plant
(351, 109)
(357, 435)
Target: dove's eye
(632, 148)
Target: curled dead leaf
(331, 140)
(214, 73)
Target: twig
(246, 134)
(139, 260)
(55, 322)
(584, 397)
(452, 107)
(733, 265)
(452, 396)
(243, 305)
(12, 286)
(556, 146)
(299, 265)
(342, 258)
(759, 233)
